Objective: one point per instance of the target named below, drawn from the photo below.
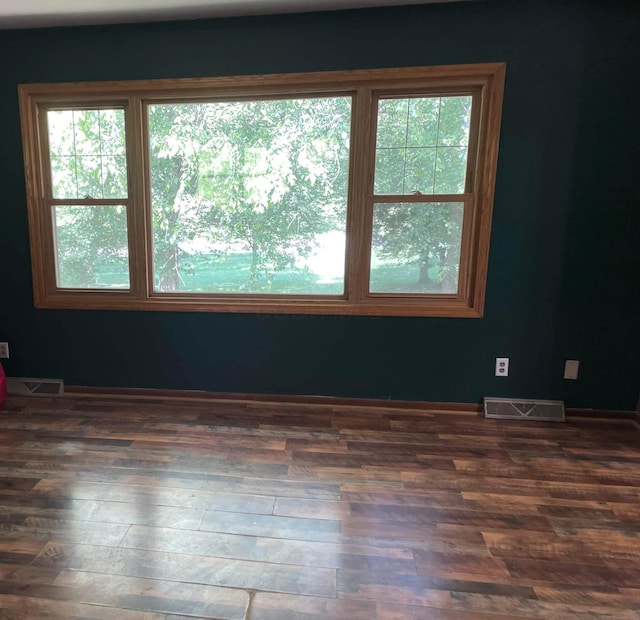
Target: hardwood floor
(167, 510)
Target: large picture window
(362, 192)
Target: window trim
(484, 81)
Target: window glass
(416, 247)
(250, 196)
(422, 145)
(91, 246)
(87, 153)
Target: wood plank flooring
(165, 510)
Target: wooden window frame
(484, 81)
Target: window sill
(449, 306)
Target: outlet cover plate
(502, 366)
(571, 368)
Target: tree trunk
(424, 281)
(450, 269)
(169, 280)
(254, 264)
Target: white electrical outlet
(4, 350)
(571, 368)
(502, 366)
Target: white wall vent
(524, 409)
(19, 386)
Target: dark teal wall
(564, 263)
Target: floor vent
(35, 387)
(523, 409)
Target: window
(250, 197)
(360, 192)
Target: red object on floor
(3, 386)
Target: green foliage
(425, 235)
(421, 148)
(90, 240)
(261, 179)
(265, 177)
(88, 156)
(88, 160)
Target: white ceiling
(45, 13)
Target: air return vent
(35, 387)
(523, 409)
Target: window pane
(392, 123)
(88, 153)
(455, 121)
(91, 246)
(390, 171)
(416, 247)
(420, 171)
(250, 197)
(451, 168)
(422, 124)
(422, 145)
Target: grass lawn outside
(230, 273)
